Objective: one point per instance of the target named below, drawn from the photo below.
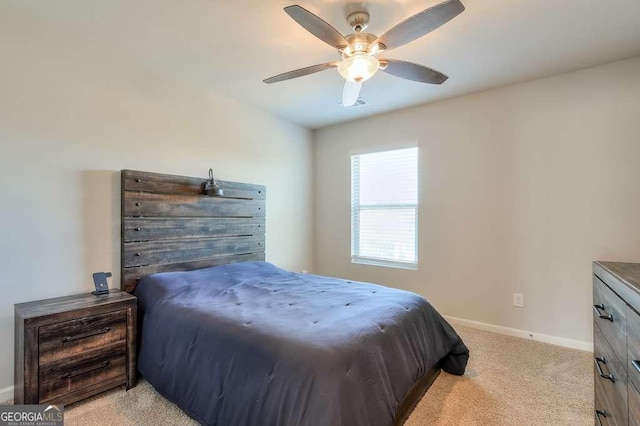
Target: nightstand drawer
(69, 338)
(62, 377)
(609, 315)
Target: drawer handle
(599, 360)
(89, 370)
(600, 307)
(67, 339)
(599, 413)
(636, 364)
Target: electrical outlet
(518, 300)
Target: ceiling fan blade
(421, 23)
(300, 72)
(317, 26)
(350, 93)
(411, 71)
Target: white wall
(520, 189)
(72, 115)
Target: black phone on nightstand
(100, 281)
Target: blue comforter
(251, 344)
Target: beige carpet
(509, 381)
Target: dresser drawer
(602, 416)
(69, 375)
(611, 390)
(634, 406)
(633, 346)
(609, 315)
(66, 339)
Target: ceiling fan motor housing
(359, 42)
(358, 21)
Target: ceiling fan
(359, 50)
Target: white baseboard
(538, 337)
(6, 395)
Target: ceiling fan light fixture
(359, 67)
(359, 49)
(375, 48)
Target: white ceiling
(231, 46)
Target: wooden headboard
(168, 225)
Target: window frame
(356, 209)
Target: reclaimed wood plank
(132, 343)
(175, 251)
(158, 228)
(173, 205)
(69, 305)
(19, 358)
(31, 386)
(134, 180)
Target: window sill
(384, 263)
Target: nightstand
(72, 347)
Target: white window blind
(384, 208)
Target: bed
(234, 340)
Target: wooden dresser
(616, 341)
(72, 347)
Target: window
(384, 208)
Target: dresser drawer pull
(636, 364)
(67, 339)
(599, 413)
(89, 370)
(600, 307)
(599, 360)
